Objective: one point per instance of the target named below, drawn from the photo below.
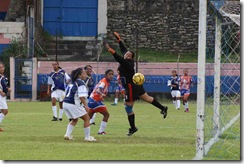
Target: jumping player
(185, 84)
(133, 92)
(173, 82)
(4, 89)
(75, 105)
(120, 90)
(90, 85)
(57, 81)
(95, 101)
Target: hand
(110, 49)
(117, 36)
(87, 108)
(9, 89)
(48, 93)
(2, 93)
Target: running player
(57, 81)
(95, 101)
(90, 85)
(173, 82)
(4, 89)
(133, 92)
(75, 105)
(120, 90)
(185, 84)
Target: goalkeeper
(133, 92)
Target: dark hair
(75, 73)
(2, 64)
(174, 71)
(133, 54)
(87, 67)
(108, 70)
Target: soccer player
(120, 90)
(95, 101)
(90, 85)
(57, 81)
(133, 92)
(173, 82)
(75, 105)
(4, 89)
(185, 84)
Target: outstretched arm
(123, 49)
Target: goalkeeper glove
(110, 49)
(117, 36)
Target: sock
(116, 100)
(93, 118)
(69, 130)
(124, 99)
(157, 104)
(186, 105)
(131, 119)
(178, 103)
(1, 117)
(174, 102)
(61, 111)
(87, 132)
(102, 126)
(54, 108)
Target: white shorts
(3, 103)
(73, 111)
(175, 93)
(58, 94)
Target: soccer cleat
(1, 130)
(70, 119)
(60, 119)
(164, 111)
(178, 109)
(69, 138)
(117, 36)
(101, 133)
(90, 139)
(132, 131)
(114, 104)
(55, 119)
(187, 110)
(93, 123)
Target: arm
(82, 93)
(67, 78)
(49, 84)
(123, 49)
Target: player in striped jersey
(75, 105)
(96, 99)
(57, 81)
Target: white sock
(124, 100)
(1, 117)
(69, 130)
(116, 100)
(186, 105)
(54, 108)
(178, 103)
(93, 118)
(87, 132)
(61, 111)
(102, 126)
(174, 102)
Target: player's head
(55, 65)
(78, 73)
(88, 69)
(2, 67)
(129, 55)
(174, 73)
(185, 72)
(109, 74)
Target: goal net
(218, 104)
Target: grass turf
(31, 135)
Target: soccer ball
(138, 79)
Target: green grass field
(31, 135)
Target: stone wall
(165, 25)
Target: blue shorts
(96, 106)
(184, 92)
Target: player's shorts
(73, 111)
(175, 93)
(133, 92)
(184, 92)
(3, 103)
(120, 89)
(58, 94)
(96, 106)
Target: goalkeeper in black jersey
(133, 92)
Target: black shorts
(133, 92)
